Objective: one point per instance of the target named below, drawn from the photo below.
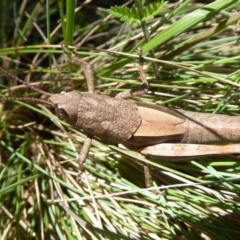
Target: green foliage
(131, 15)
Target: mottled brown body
(139, 124)
(110, 119)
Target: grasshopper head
(66, 105)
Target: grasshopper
(146, 128)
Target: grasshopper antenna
(14, 77)
(36, 100)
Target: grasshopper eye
(61, 113)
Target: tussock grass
(196, 50)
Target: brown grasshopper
(145, 128)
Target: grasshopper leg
(86, 68)
(137, 91)
(91, 89)
(83, 154)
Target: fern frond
(153, 9)
(131, 15)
